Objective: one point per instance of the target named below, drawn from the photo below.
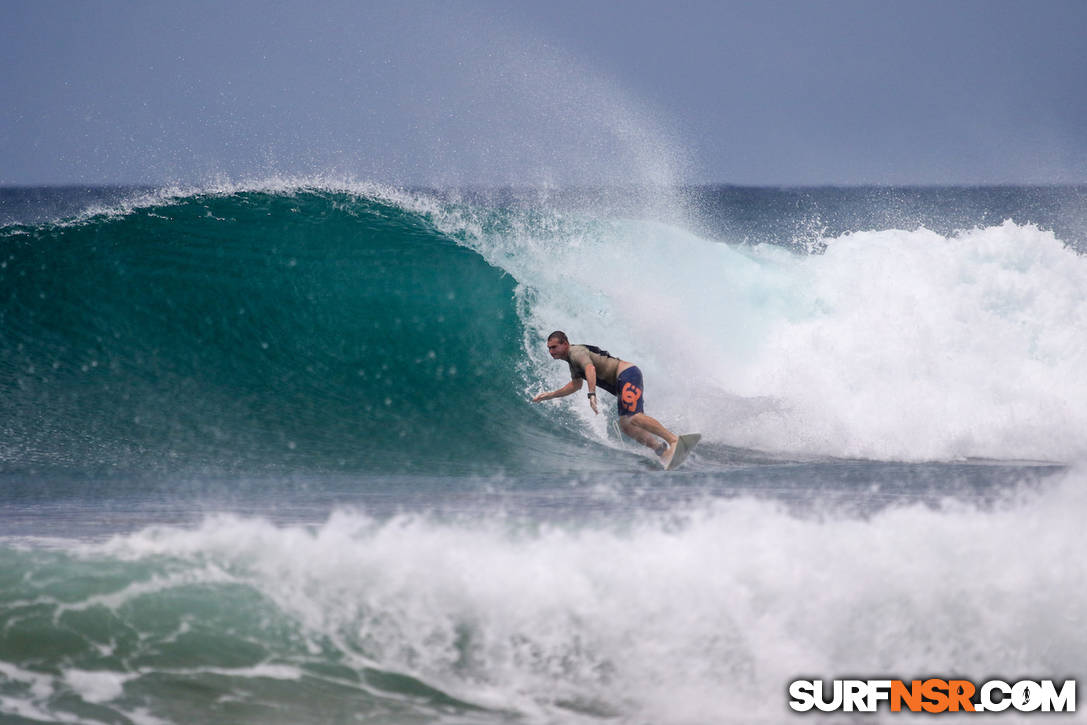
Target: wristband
(591, 395)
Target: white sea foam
(37, 697)
(97, 686)
(893, 344)
(694, 616)
(40, 685)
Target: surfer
(622, 379)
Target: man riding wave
(589, 364)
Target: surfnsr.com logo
(932, 695)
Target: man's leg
(654, 426)
(642, 428)
(636, 423)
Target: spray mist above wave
(516, 111)
(431, 95)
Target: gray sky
(555, 92)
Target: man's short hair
(560, 336)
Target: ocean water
(268, 455)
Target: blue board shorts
(629, 384)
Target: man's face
(558, 349)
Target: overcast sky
(547, 92)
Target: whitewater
(268, 455)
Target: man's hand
(571, 387)
(592, 404)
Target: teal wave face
(257, 330)
(104, 640)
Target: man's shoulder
(578, 359)
(580, 353)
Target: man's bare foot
(666, 457)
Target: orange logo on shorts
(631, 394)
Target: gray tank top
(607, 366)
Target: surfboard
(683, 448)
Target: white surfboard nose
(684, 447)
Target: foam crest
(285, 185)
(688, 616)
(913, 345)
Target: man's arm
(590, 377)
(569, 389)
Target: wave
(259, 329)
(284, 325)
(692, 615)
